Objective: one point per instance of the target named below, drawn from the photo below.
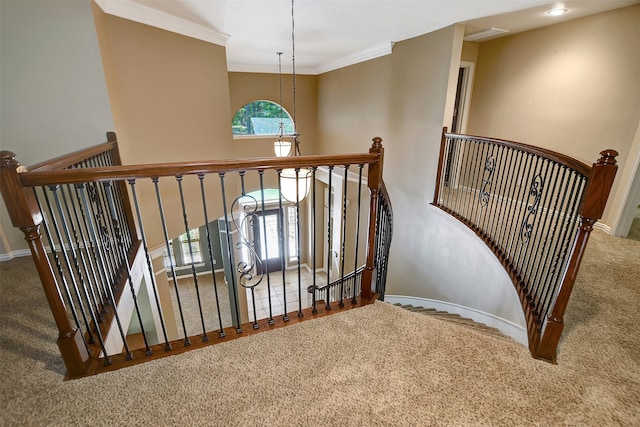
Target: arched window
(261, 118)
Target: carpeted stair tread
(451, 317)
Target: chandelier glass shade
(282, 144)
(295, 184)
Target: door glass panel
(272, 245)
(293, 234)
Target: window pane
(261, 118)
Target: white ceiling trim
(137, 12)
(355, 58)
(364, 55)
(270, 69)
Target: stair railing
(103, 225)
(535, 209)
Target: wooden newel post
(374, 182)
(599, 185)
(25, 215)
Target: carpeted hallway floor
(377, 365)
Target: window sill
(241, 137)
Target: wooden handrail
(67, 160)
(568, 161)
(75, 176)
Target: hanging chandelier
(282, 143)
(295, 183)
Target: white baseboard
(15, 254)
(508, 328)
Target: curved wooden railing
(535, 209)
(97, 230)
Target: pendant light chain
(280, 76)
(293, 65)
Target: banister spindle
(344, 232)
(329, 242)
(234, 293)
(314, 309)
(152, 276)
(221, 332)
(155, 180)
(108, 186)
(187, 231)
(285, 316)
(266, 247)
(357, 242)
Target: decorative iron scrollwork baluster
(248, 269)
(537, 185)
(489, 169)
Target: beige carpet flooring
(634, 230)
(374, 366)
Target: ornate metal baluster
(532, 258)
(546, 242)
(67, 291)
(552, 254)
(78, 297)
(285, 316)
(248, 279)
(357, 243)
(329, 241)
(300, 313)
(344, 232)
(187, 342)
(314, 310)
(99, 279)
(94, 234)
(101, 231)
(187, 231)
(154, 286)
(236, 306)
(118, 235)
(266, 246)
(79, 260)
(221, 332)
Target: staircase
(452, 318)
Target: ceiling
(330, 34)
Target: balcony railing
(112, 242)
(535, 210)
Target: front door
(266, 231)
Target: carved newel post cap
(608, 157)
(377, 143)
(8, 159)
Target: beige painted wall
(469, 51)
(571, 87)
(247, 87)
(170, 100)
(54, 99)
(406, 98)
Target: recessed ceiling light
(557, 11)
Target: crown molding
(364, 55)
(270, 69)
(137, 12)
